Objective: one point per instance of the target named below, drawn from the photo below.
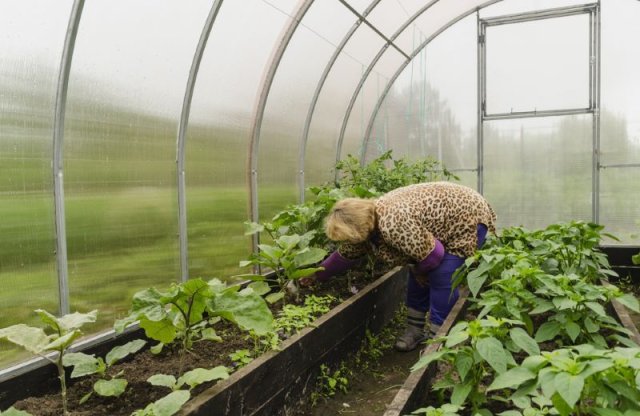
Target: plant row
(541, 341)
(190, 312)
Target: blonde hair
(351, 220)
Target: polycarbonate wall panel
(620, 121)
(120, 149)
(432, 105)
(620, 124)
(538, 171)
(31, 41)
(287, 107)
(441, 14)
(529, 72)
(365, 103)
(620, 204)
(324, 130)
(219, 130)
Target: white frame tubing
(58, 151)
(261, 102)
(182, 137)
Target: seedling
(109, 386)
(65, 330)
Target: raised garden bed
(416, 390)
(276, 381)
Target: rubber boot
(415, 332)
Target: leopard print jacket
(409, 219)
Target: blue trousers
(436, 296)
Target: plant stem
(63, 383)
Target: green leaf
(83, 364)
(210, 334)
(591, 326)
(569, 387)
(511, 378)
(50, 320)
(157, 349)
(163, 331)
(30, 338)
(246, 309)
(76, 320)
(477, 277)
(426, 359)
(274, 297)
(120, 352)
(493, 352)
(560, 405)
(12, 411)
(456, 338)
(164, 380)
(542, 306)
(630, 301)
(463, 364)
(596, 307)
(252, 228)
(548, 331)
(573, 330)
(524, 341)
(63, 342)
(171, 403)
(260, 288)
(460, 393)
(198, 376)
(110, 388)
(311, 256)
(510, 413)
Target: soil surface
(141, 366)
(370, 392)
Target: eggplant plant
(289, 257)
(171, 403)
(85, 364)
(187, 312)
(64, 331)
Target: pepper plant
(477, 349)
(578, 380)
(64, 331)
(107, 385)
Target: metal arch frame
(58, 150)
(181, 139)
(261, 102)
(593, 9)
(415, 53)
(316, 95)
(365, 76)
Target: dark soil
(139, 368)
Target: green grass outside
(118, 242)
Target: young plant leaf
(163, 380)
(524, 341)
(198, 376)
(110, 388)
(30, 338)
(122, 351)
(493, 352)
(569, 387)
(512, 378)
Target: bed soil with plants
(139, 367)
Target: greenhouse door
(538, 114)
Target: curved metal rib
(181, 140)
(58, 143)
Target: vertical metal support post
(482, 100)
(58, 144)
(595, 103)
(182, 136)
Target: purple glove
(431, 261)
(333, 265)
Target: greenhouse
(169, 174)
